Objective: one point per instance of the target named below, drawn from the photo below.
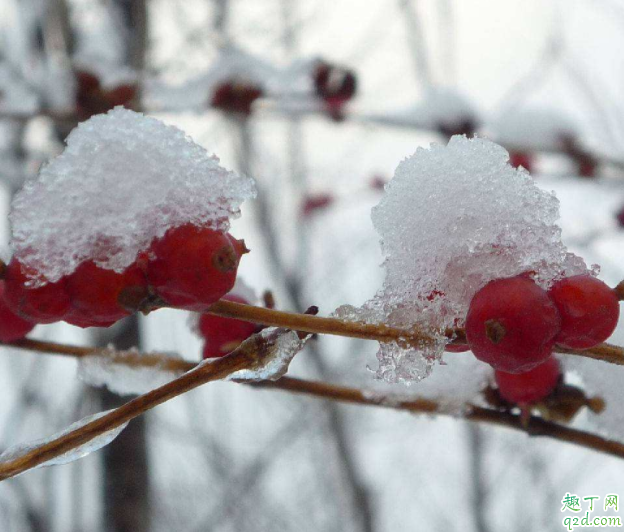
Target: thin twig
(248, 354)
(535, 427)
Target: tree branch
(247, 355)
(238, 359)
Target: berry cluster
(190, 267)
(92, 99)
(223, 335)
(235, 97)
(335, 85)
(513, 325)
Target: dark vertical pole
(126, 469)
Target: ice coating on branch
(108, 369)
(533, 128)
(452, 219)
(123, 180)
(281, 347)
(95, 444)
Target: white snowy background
(226, 457)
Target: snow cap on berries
(123, 180)
(452, 219)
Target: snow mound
(452, 219)
(123, 180)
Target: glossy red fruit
(191, 267)
(12, 327)
(45, 304)
(100, 297)
(512, 324)
(589, 311)
(224, 334)
(531, 386)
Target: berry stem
(534, 427)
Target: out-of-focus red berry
(521, 158)
(589, 311)
(223, 335)
(462, 126)
(512, 324)
(92, 99)
(378, 182)
(100, 297)
(12, 327)
(336, 86)
(45, 304)
(235, 97)
(531, 386)
(316, 202)
(192, 267)
(619, 216)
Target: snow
(232, 64)
(81, 451)
(123, 180)
(282, 346)
(533, 128)
(110, 73)
(102, 369)
(452, 219)
(440, 106)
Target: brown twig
(247, 355)
(536, 426)
(380, 332)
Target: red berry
(192, 267)
(100, 297)
(589, 311)
(531, 386)
(120, 95)
(235, 97)
(12, 327)
(44, 304)
(224, 334)
(512, 324)
(521, 158)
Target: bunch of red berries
(235, 97)
(513, 325)
(223, 335)
(92, 99)
(190, 267)
(335, 85)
